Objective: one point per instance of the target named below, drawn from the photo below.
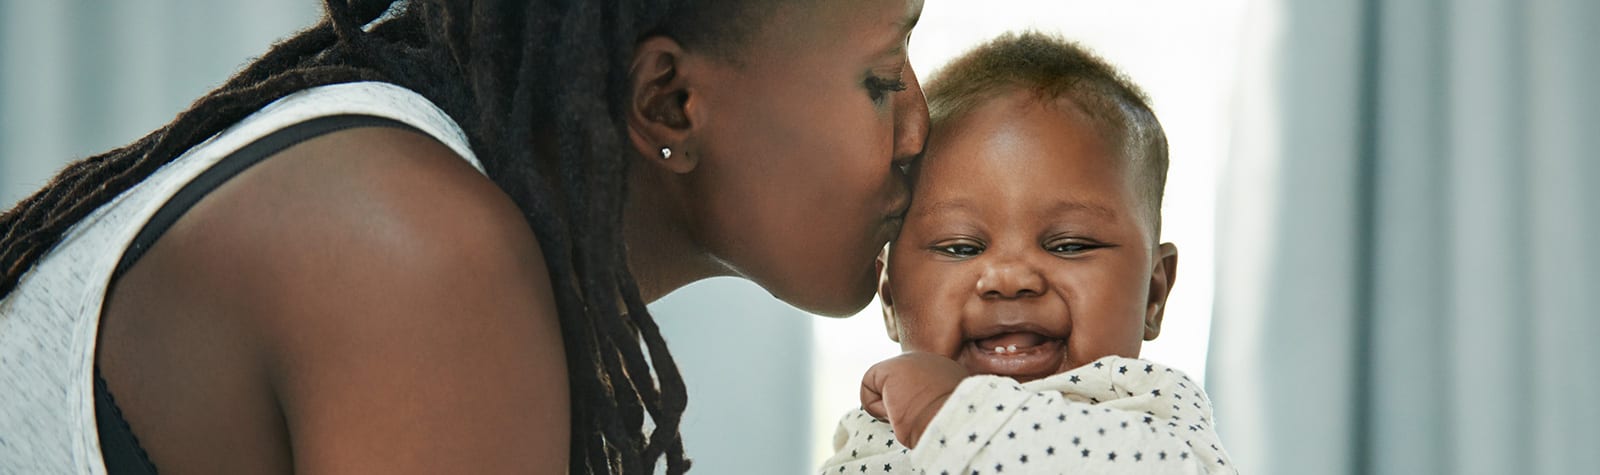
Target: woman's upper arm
(417, 332)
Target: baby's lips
(1012, 341)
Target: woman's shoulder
(386, 273)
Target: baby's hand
(908, 390)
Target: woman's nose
(1010, 279)
(911, 119)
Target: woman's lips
(1021, 355)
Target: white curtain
(1409, 240)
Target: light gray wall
(78, 77)
(746, 358)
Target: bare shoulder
(403, 302)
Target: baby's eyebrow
(945, 207)
(962, 205)
(1069, 207)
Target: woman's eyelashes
(879, 88)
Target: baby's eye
(959, 250)
(1070, 247)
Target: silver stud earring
(666, 153)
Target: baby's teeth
(1012, 348)
(999, 349)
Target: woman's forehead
(850, 27)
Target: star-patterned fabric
(1116, 415)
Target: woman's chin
(836, 302)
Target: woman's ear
(1161, 279)
(886, 298)
(657, 115)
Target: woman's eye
(879, 88)
(959, 250)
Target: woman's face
(800, 149)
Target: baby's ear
(886, 298)
(1161, 279)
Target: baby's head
(1032, 243)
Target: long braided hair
(510, 72)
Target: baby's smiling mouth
(1021, 354)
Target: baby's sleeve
(1116, 415)
(864, 444)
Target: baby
(1027, 275)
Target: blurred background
(1386, 212)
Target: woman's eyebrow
(903, 28)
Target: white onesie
(1116, 415)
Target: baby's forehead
(992, 130)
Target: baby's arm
(1117, 414)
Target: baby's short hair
(1054, 69)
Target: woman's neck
(662, 253)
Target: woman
(419, 236)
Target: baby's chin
(1023, 357)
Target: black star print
(1138, 456)
(941, 441)
(1011, 435)
(886, 467)
(1061, 418)
(1184, 456)
(1155, 392)
(972, 408)
(869, 437)
(999, 468)
(863, 469)
(1075, 440)
(1036, 426)
(1024, 458)
(972, 437)
(1122, 370)
(1097, 364)
(1051, 450)
(1149, 368)
(999, 407)
(1074, 379)
(1086, 453)
(1163, 455)
(1111, 456)
(888, 443)
(1101, 430)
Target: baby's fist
(908, 391)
